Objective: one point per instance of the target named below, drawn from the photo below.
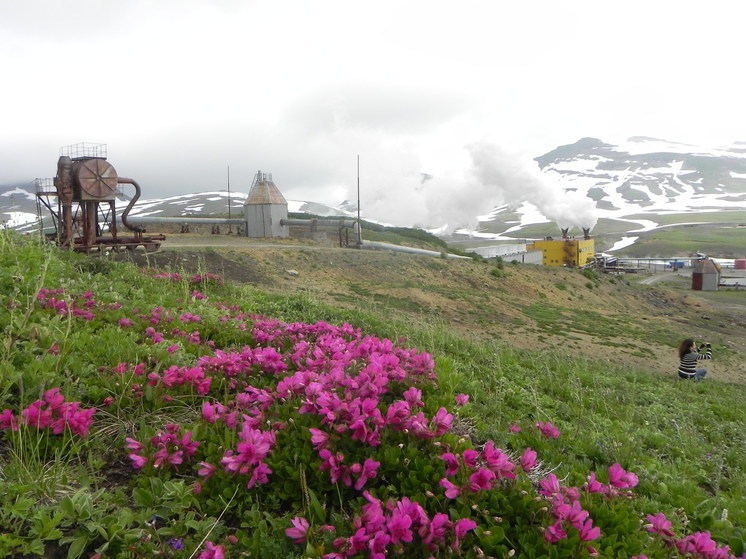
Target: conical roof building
(265, 208)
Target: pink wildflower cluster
(697, 545)
(385, 530)
(485, 469)
(53, 413)
(166, 448)
(547, 429)
(618, 479)
(78, 306)
(338, 471)
(244, 364)
(350, 387)
(193, 377)
(248, 457)
(567, 512)
(212, 551)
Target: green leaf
(737, 547)
(143, 497)
(77, 547)
(316, 509)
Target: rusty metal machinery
(85, 217)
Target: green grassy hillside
(349, 403)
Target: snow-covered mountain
(18, 205)
(635, 185)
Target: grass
(685, 441)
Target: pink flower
(595, 486)
(414, 397)
(461, 399)
(481, 480)
(588, 532)
(441, 422)
(298, 532)
(8, 420)
(451, 490)
(398, 526)
(528, 460)
(211, 412)
(698, 542)
(452, 465)
(367, 471)
(125, 323)
(260, 475)
(498, 461)
(460, 528)
(470, 457)
(435, 530)
(212, 552)
(659, 524)
(137, 460)
(555, 533)
(549, 486)
(515, 428)
(547, 429)
(621, 479)
(319, 438)
(133, 445)
(173, 348)
(206, 470)
(108, 401)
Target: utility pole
(359, 231)
(230, 225)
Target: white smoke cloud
(484, 177)
(514, 181)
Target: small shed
(265, 208)
(706, 276)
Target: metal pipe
(204, 220)
(411, 250)
(135, 198)
(319, 222)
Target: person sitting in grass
(689, 356)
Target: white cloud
(180, 90)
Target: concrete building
(706, 276)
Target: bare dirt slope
(615, 320)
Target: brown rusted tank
(87, 189)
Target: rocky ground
(615, 320)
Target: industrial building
(265, 209)
(568, 251)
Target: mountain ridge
(632, 183)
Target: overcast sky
(180, 90)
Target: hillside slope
(603, 318)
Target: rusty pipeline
(135, 198)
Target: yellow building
(565, 252)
